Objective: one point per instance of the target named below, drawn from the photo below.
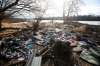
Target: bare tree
(12, 7)
(43, 5)
(71, 9)
(39, 16)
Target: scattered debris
(20, 47)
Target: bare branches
(10, 7)
(7, 7)
(19, 7)
(71, 9)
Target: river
(90, 22)
(84, 22)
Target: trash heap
(17, 47)
(20, 46)
(47, 36)
(89, 50)
(85, 47)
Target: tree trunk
(1, 23)
(1, 18)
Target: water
(90, 22)
(84, 22)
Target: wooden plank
(36, 61)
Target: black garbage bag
(62, 54)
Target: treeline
(79, 18)
(87, 18)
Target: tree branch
(9, 6)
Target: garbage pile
(57, 36)
(90, 51)
(21, 45)
(17, 47)
(86, 47)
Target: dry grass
(16, 25)
(81, 29)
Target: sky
(54, 8)
(89, 7)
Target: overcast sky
(89, 7)
(55, 8)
